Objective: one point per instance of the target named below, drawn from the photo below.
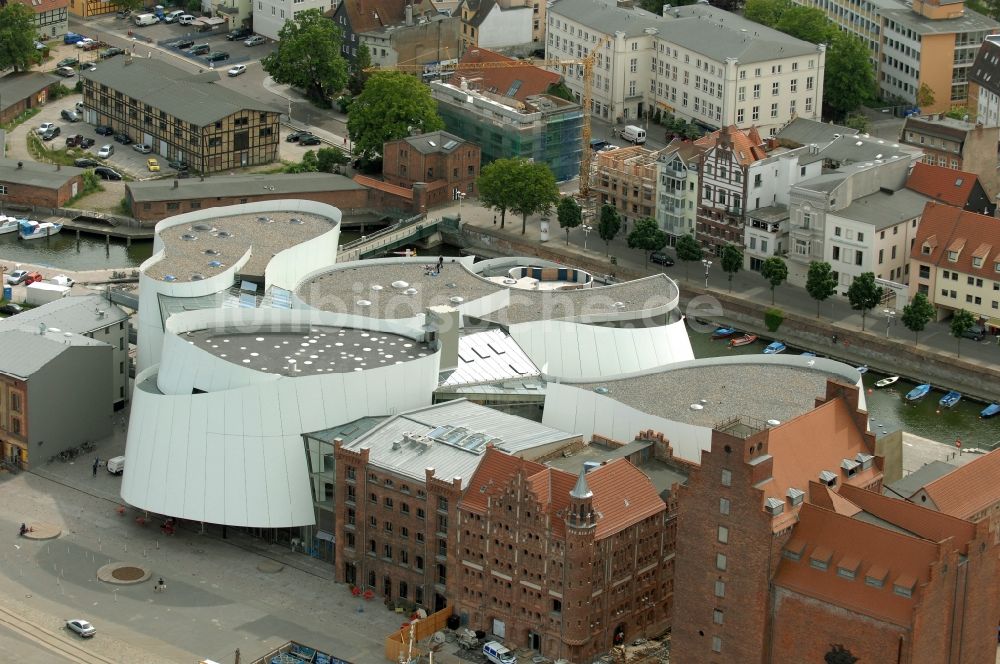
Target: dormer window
(926, 250)
(820, 558)
(864, 459)
(850, 466)
(977, 262)
(952, 256)
(996, 266)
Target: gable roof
(985, 71)
(69, 314)
(494, 472)
(518, 82)
(36, 174)
(24, 353)
(193, 98)
(945, 185)
(965, 491)
(946, 228)
(367, 15)
(623, 495)
(746, 144)
(933, 526)
(42, 6)
(16, 87)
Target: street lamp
(889, 317)
(461, 197)
(707, 263)
(586, 234)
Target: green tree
(536, 189)
(688, 251)
(807, 23)
(849, 78)
(820, 282)
(858, 121)
(864, 294)
(646, 235)
(307, 56)
(732, 261)
(917, 314)
(329, 158)
(925, 96)
(767, 12)
(775, 271)
(961, 322)
(392, 105)
(560, 90)
(309, 164)
(135, 5)
(608, 225)
(569, 214)
(17, 37)
(495, 184)
(362, 61)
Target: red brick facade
(53, 196)
(444, 171)
(392, 532)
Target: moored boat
(918, 392)
(950, 399)
(8, 224)
(774, 348)
(742, 340)
(723, 332)
(863, 369)
(990, 410)
(886, 382)
(32, 230)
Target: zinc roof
(24, 353)
(81, 314)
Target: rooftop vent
(864, 459)
(204, 228)
(197, 277)
(169, 277)
(410, 291)
(215, 263)
(265, 220)
(364, 303)
(296, 221)
(601, 390)
(828, 478)
(400, 285)
(774, 506)
(376, 287)
(795, 496)
(223, 234)
(456, 299)
(850, 466)
(189, 237)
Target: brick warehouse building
(566, 565)
(24, 183)
(446, 163)
(787, 554)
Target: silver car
(143, 148)
(256, 40)
(81, 627)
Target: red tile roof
(967, 490)
(529, 80)
(945, 185)
(493, 473)
(372, 183)
(551, 488)
(946, 228)
(623, 495)
(925, 523)
(747, 144)
(43, 6)
(366, 15)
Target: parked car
(661, 258)
(256, 40)
(294, 136)
(92, 45)
(183, 44)
(69, 115)
(186, 19)
(596, 144)
(177, 165)
(73, 141)
(44, 127)
(65, 72)
(104, 130)
(62, 280)
(105, 151)
(609, 147)
(124, 13)
(237, 34)
(71, 38)
(81, 627)
(111, 52)
(309, 139)
(51, 133)
(83, 42)
(79, 107)
(116, 465)
(11, 309)
(88, 66)
(976, 333)
(84, 142)
(86, 162)
(144, 148)
(200, 49)
(217, 56)
(237, 70)
(173, 16)
(68, 62)
(153, 165)
(18, 277)
(106, 173)
(122, 138)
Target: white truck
(146, 19)
(40, 293)
(116, 465)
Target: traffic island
(42, 531)
(123, 574)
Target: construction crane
(588, 77)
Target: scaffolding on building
(626, 179)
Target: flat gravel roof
(205, 248)
(341, 290)
(320, 349)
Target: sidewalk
(836, 311)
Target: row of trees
(849, 80)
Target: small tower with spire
(578, 583)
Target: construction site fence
(398, 642)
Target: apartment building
(956, 144)
(486, 71)
(501, 23)
(697, 62)
(269, 16)
(924, 42)
(955, 262)
(51, 16)
(542, 128)
(677, 189)
(626, 179)
(448, 165)
(421, 40)
(984, 83)
(183, 116)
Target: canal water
(887, 407)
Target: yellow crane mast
(588, 76)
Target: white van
(187, 19)
(174, 15)
(146, 19)
(634, 134)
(116, 465)
(498, 654)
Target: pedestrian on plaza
(95, 467)
(494, 220)
(440, 264)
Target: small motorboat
(918, 392)
(863, 369)
(807, 353)
(990, 411)
(774, 348)
(723, 332)
(32, 230)
(950, 399)
(886, 382)
(742, 340)
(8, 224)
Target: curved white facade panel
(284, 269)
(574, 351)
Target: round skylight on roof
(410, 291)
(364, 303)
(265, 220)
(697, 406)
(601, 390)
(456, 299)
(773, 423)
(215, 263)
(204, 228)
(401, 285)
(223, 234)
(376, 287)
(189, 237)
(296, 221)
(197, 277)
(169, 277)
(211, 252)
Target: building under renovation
(626, 179)
(542, 128)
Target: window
(775, 89)
(925, 272)
(420, 513)
(720, 588)
(740, 116)
(727, 478)
(723, 535)
(372, 546)
(881, 252)
(809, 104)
(720, 561)
(388, 526)
(756, 91)
(716, 644)
(717, 616)
(774, 110)
(741, 93)
(633, 65)
(15, 402)
(723, 506)
(387, 502)
(387, 551)
(836, 253)
(3, 190)
(794, 85)
(858, 257)
(755, 113)
(809, 83)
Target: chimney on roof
(409, 14)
